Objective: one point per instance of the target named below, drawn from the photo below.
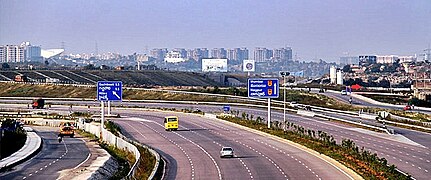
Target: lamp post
(284, 74)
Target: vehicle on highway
(38, 103)
(171, 123)
(343, 92)
(293, 104)
(407, 107)
(67, 129)
(226, 152)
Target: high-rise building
(407, 59)
(231, 54)
(282, 54)
(261, 54)
(388, 59)
(181, 51)
(159, 54)
(218, 53)
(237, 54)
(367, 60)
(197, 53)
(349, 60)
(33, 53)
(12, 53)
(243, 54)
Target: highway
(193, 150)
(409, 150)
(359, 102)
(53, 158)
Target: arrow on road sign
(275, 88)
(115, 94)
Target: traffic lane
(204, 163)
(177, 163)
(418, 167)
(247, 164)
(409, 152)
(202, 166)
(302, 164)
(409, 158)
(53, 157)
(263, 164)
(295, 163)
(416, 136)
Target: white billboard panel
(248, 66)
(214, 65)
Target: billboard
(248, 66)
(214, 65)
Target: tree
(5, 66)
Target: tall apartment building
(181, 51)
(197, 53)
(349, 60)
(12, 53)
(218, 53)
(282, 54)
(237, 54)
(261, 54)
(159, 54)
(33, 53)
(388, 59)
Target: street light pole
(284, 74)
(284, 102)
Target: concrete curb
(32, 146)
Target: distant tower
(339, 77)
(333, 74)
(427, 53)
(62, 46)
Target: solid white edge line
(88, 157)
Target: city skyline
(314, 30)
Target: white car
(293, 104)
(343, 92)
(226, 152)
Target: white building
(174, 57)
(407, 59)
(387, 59)
(333, 74)
(339, 77)
(12, 53)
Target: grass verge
(125, 159)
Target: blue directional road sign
(263, 88)
(109, 91)
(226, 108)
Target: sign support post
(264, 88)
(108, 91)
(269, 113)
(109, 108)
(102, 116)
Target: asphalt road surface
(193, 151)
(53, 157)
(409, 150)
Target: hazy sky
(314, 29)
